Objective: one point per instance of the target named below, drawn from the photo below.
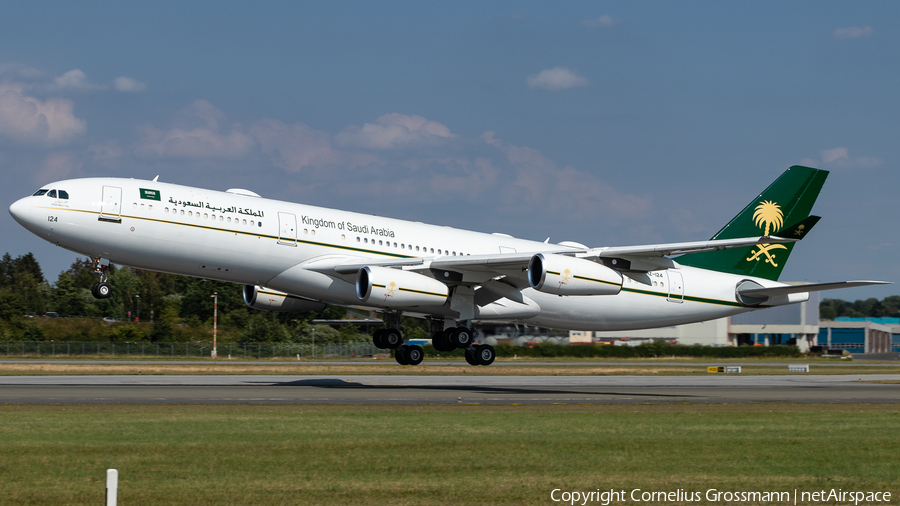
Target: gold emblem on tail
(769, 217)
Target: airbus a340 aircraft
(294, 257)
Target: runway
(372, 389)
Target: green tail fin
(787, 201)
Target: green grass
(457, 454)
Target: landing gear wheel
(378, 339)
(101, 290)
(413, 355)
(470, 357)
(484, 354)
(441, 341)
(391, 338)
(461, 337)
(400, 355)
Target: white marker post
(112, 487)
(215, 296)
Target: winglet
(798, 230)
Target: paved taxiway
(371, 389)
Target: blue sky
(604, 123)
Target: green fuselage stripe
(422, 292)
(688, 298)
(597, 281)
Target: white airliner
(294, 257)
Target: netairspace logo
(607, 497)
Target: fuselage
(236, 237)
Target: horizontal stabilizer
(810, 287)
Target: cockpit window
(40, 192)
(52, 194)
(63, 194)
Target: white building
(792, 324)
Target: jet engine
(563, 275)
(382, 286)
(271, 300)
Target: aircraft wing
(806, 287)
(678, 248)
(480, 268)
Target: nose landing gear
(101, 290)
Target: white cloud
(840, 159)
(294, 146)
(106, 154)
(127, 84)
(394, 130)
(566, 191)
(75, 80)
(44, 122)
(853, 32)
(197, 142)
(56, 166)
(604, 21)
(18, 73)
(557, 78)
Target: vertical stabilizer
(782, 205)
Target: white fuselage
(256, 241)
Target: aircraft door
(111, 208)
(676, 286)
(287, 229)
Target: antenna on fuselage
(156, 178)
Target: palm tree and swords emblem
(767, 215)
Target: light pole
(215, 297)
(138, 317)
(314, 342)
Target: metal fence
(188, 350)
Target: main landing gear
(101, 290)
(445, 340)
(463, 337)
(392, 339)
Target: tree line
(171, 308)
(829, 309)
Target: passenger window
(63, 194)
(39, 193)
(52, 194)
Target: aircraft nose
(19, 210)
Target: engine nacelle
(382, 286)
(563, 275)
(272, 300)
